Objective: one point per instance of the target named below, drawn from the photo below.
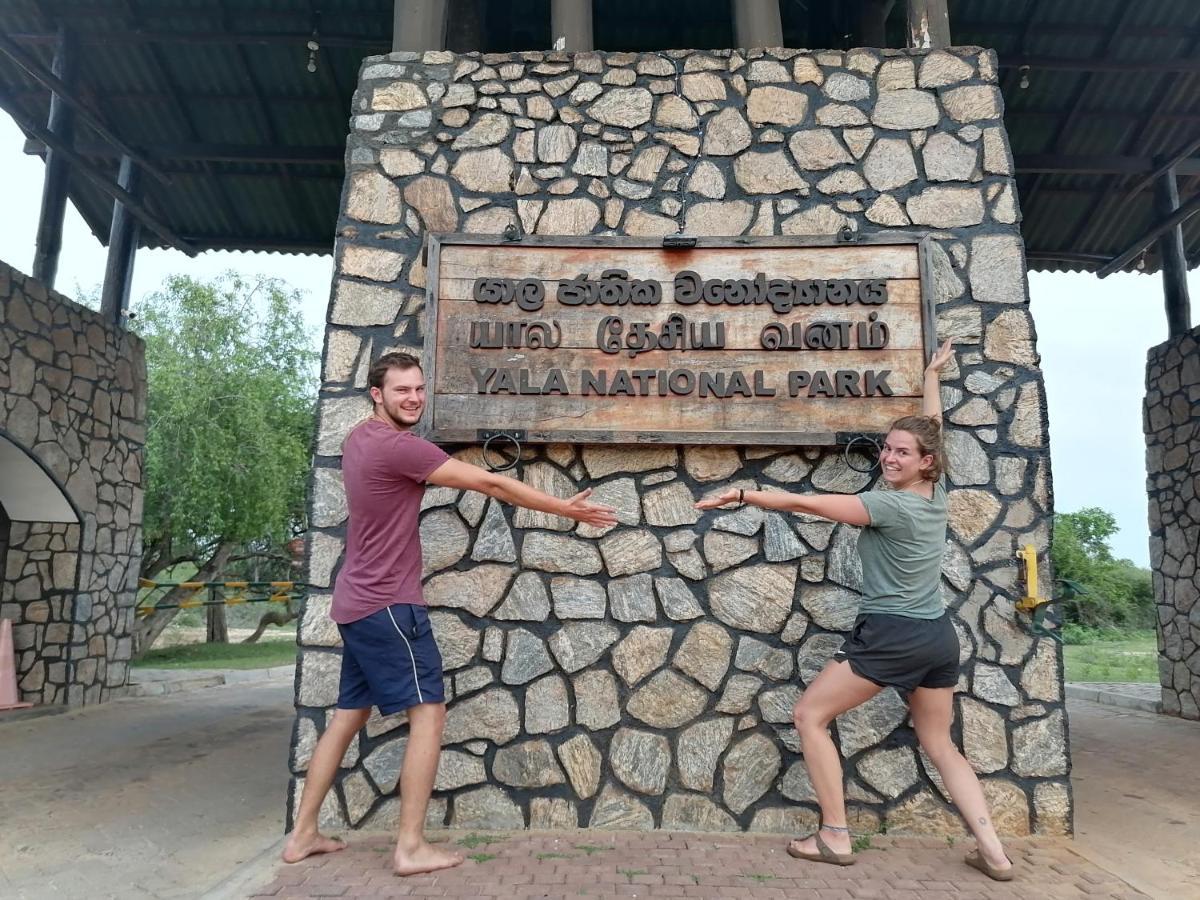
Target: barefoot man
(389, 658)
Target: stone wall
(1172, 425)
(644, 676)
(72, 397)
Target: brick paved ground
(662, 865)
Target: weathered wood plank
(577, 326)
(901, 292)
(888, 261)
(455, 375)
(463, 414)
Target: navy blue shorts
(390, 660)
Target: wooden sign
(621, 340)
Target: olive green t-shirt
(901, 553)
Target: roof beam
(265, 154)
(63, 91)
(1150, 235)
(1165, 91)
(107, 185)
(1081, 30)
(1075, 104)
(1098, 64)
(379, 43)
(1058, 164)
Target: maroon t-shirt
(384, 471)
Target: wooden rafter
(1075, 104)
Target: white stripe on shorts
(416, 679)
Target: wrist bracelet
(742, 496)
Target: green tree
(229, 423)
(1119, 593)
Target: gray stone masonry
(73, 397)
(1172, 426)
(643, 677)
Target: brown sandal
(975, 860)
(823, 855)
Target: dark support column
(872, 22)
(756, 23)
(419, 25)
(1174, 263)
(464, 28)
(571, 25)
(928, 24)
(57, 179)
(122, 246)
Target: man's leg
(306, 839)
(414, 854)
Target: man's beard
(397, 420)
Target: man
(389, 657)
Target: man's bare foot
(301, 846)
(423, 858)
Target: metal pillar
(419, 25)
(1174, 263)
(928, 24)
(123, 237)
(57, 180)
(571, 25)
(756, 23)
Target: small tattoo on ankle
(983, 821)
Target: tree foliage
(231, 401)
(1119, 593)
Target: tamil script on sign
(627, 341)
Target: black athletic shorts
(902, 652)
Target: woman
(903, 637)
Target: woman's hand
(722, 499)
(943, 355)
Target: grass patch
(861, 843)
(482, 857)
(629, 873)
(589, 849)
(1133, 659)
(760, 878)
(471, 841)
(553, 855)
(220, 656)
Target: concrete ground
(182, 796)
(142, 798)
(1137, 796)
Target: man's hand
(595, 514)
(943, 355)
(722, 499)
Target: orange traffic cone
(9, 698)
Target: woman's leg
(932, 712)
(834, 691)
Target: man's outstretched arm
(454, 473)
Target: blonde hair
(927, 431)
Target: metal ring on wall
(867, 439)
(508, 463)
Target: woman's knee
(808, 715)
(939, 748)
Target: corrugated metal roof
(200, 88)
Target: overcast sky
(1092, 335)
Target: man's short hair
(397, 360)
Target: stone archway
(72, 404)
